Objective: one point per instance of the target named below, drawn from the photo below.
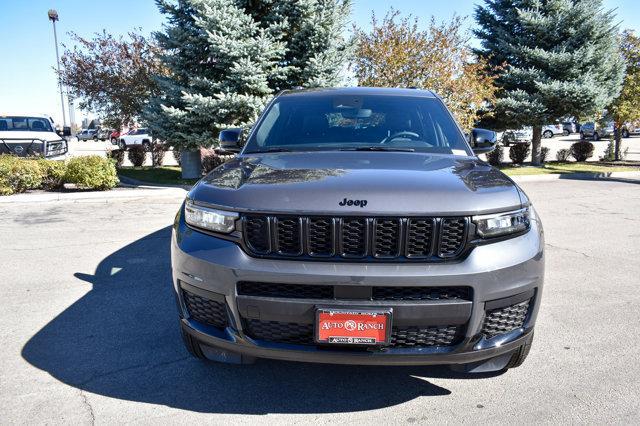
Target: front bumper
(501, 274)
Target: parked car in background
(32, 135)
(136, 137)
(629, 129)
(552, 130)
(596, 131)
(510, 137)
(569, 127)
(86, 134)
(103, 134)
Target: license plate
(353, 326)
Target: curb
(135, 183)
(126, 192)
(576, 176)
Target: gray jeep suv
(357, 226)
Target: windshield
(350, 122)
(33, 124)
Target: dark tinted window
(319, 122)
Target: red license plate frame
(353, 326)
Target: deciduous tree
(626, 107)
(112, 76)
(397, 53)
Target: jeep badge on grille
(347, 202)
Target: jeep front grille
(355, 238)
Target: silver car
(357, 226)
(87, 134)
(596, 131)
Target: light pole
(53, 17)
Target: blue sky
(27, 79)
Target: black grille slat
(387, 239)
(257, 233)
(420, 238)
(289, 236)
(452, 236)
(353, 237)
(321, 236)
(425, 239)
(290, 291)
(421, 293)
(205, 310)
(401, 337)
(503, 320)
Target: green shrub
(91, 172)
(518, 152)
(544, 153)
(581, 151)
(19, 174)
(496, 156)
(116, 155)
(563, 155)
(137, 154)
(157, 154)
(52, 174)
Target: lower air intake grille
(503, 320)
(409, 337)
(205, 311)
(401, 337)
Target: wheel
(625, 133)
(122, 145)
(548, 134)
(581, 136)
(596, 136)
(520, 355)
(565, 132)
(146, 146)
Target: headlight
(496, 225)
(211, 219)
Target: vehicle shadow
(122, 340)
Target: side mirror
(483, 141)
(230, 140)
(66, 131)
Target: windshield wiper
(270, 150)
(377, 148)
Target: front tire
(548, 134)
(581, 136)
(146, 146)
(625, 133)
(122, 145)
(565, 133)
(596, 137)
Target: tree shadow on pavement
(122, 340)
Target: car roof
(26, 115)
(360, 91)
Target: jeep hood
(394, 183)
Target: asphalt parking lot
(88, 330)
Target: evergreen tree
(226, 58)
(556, 58)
